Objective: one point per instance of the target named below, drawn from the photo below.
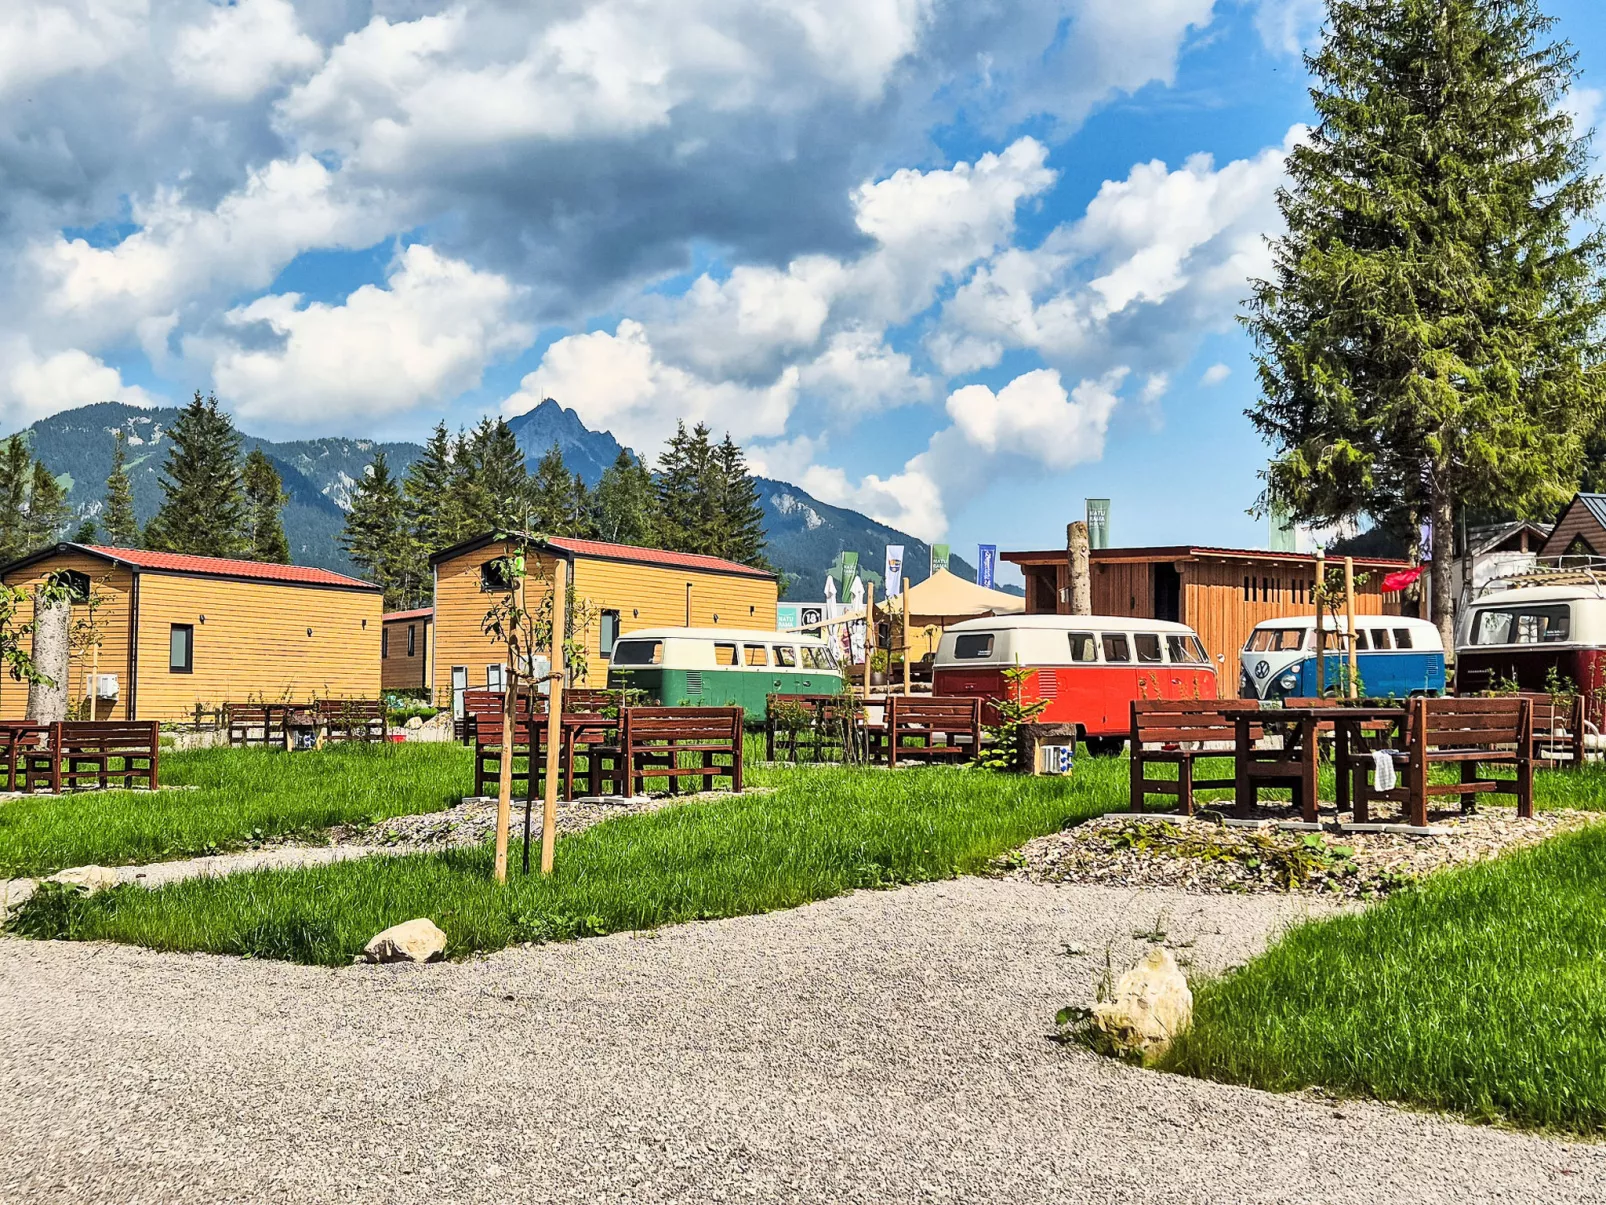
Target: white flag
(894, 570)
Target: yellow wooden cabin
(168, 631)
(404, 651)
(624, 588)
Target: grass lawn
(240, 796)
(822, 832)
(1483, 992)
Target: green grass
(822, 832)
(240, 796)
(1481, 992)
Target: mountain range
(804, 535)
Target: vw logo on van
(1262, 668)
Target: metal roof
(602, 550)
(200, 566)
(415, 613)
(1193, 552)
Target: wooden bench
(1160, 730)
(257, 724)
(482, 702)
(99, 752)
(352, 719)
(528, 746)
(1558, 729)
(19, 738)
(956, 719)
(1466, 732)
(825, 720)
(654, 740)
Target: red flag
(1400, 580)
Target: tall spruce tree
(624, 503)
(47, 509)
(550, 493)
(688, 492)
(16, 474)
(203, 510)
(500, 478)
(377, 536)
(264, 516)
(1427, 340)
(117, 517)
(435, 515)
(580, 521)
(741, 512)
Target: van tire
(1105, 746)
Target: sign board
(1098, 523)
(786, 616)
(894, 578)
(986, 564)
(939, 557)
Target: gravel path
(886, 1046)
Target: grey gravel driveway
(886, 1046)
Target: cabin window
(607, 632)
(973, 646)
(1185, 650)
(1402, 638)
(412, 638)
(640, 652)
(725, 655)
(1115, 647)
(75, 582)
(1148, 646)
(1083, 647)
(1265, 590)
(181, 649)
(1246, 590)
(786, 656)
(757, 654)
(384, 644)
(1522, 625)
(496, 677)
(494, 578)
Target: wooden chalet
(1580, 530)
(1221, 593)
(627, 587)
(404, 649)
(174, 631)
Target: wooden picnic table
(1296, 764)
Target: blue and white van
(1394, 657)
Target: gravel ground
(885, 1046)
(1199, 854)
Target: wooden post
(1321, 636)
(504, 782)
(94, 673)
(1076, 552)
(1349, 620)
(554, 714)
(904, 599)
(869, 633)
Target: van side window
(1361, 646)
(724, 654)
(757, 654)
(1083, 647)
(974, 646)
(1148, 646)
(1183, 650)
(816, 658)
(1115, 647)
(1402, 638)
(786, 655)
(1380, 640)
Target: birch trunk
(47, 699)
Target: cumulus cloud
(1288, 26)
(1215, 375)
(242, 49)
(425, 337)
(33, 385)
(1034, 417)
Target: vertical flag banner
(894, 579)
(850, 570)
(1283, 536)
(1098, 523)
(986, 564)
(939, 557)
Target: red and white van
(1088, 667)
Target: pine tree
(47, 509)
(688, 489)
(88, 533)
(377, 537)
(1426, 339)
(625, 504)
(580, 522)
(435, 517)
(16, 473)
(265, 499)
(204, 508)
(741, 512)
(550, 495)
(500, 481)
(122, 529)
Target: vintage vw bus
(721, 667)
(1395, 656)
(1088, 667)
(1537, 638)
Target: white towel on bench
(1383, 770)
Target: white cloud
(858, 372)
(34, 385)
(1288, 26)
(243, 48)
(1035, 418)
(43, 39)
(1215, 375)
(909, 500)
(426, 337)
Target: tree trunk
(1443, 565)
(1076, 552)
(47, 699)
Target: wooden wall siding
(1575, 521)
(646, 596)
(399, 671)
(254, 643)
(111, 583)
(1123, 589)
(1213, 603)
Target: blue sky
(957, 266)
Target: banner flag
(939, 557)
(894, 578)
(1098, 523)
(986, 564)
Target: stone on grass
(418, 940)
(14, 893)
(1150, 1006)
(414, 722)
(87, 879)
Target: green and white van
(722, 667)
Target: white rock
(14, 893)
(414, 722)
(88, 879)
(418, 940)
(1151, 1005)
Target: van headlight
(1288, 681)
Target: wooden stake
(1349, 620)
(510, 705)
(1321, 636)
(904, 598)
(554, 715)
(869, 633)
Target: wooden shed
(1580, 530)
(173, 631)
(404, 649)
(627, 587)
(1221, 593)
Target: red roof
(653, 556)
(398, 616)
(1184, 551)
(216, 566)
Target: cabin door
(1167, 593)
(459, 685)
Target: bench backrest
(107, 735)
(1173, 721)
(1462, 723)
(351, 709)
(948, 713)
(703, 724)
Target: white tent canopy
(941, 599)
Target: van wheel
(1105, 746)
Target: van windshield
(817, 658)
(1185, 650)
(1277, 640)
(638, 652)
(1532, 624)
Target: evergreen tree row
(33, 507)
(702, 499)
